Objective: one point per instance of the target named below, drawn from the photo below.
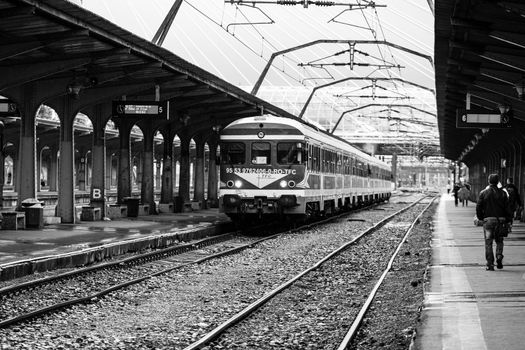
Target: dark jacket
(493, 202)
(514, 196)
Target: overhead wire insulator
(286, 2)
(323, 3)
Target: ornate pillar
(147, 189)
(124, 161)
(168, 171)
(213, 200)
(66, 175)
(98, 158)
(198, 186)
(26, 170)
(184, 176)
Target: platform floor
(67, 238)
(467, 307)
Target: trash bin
(133, 206)
(34, 212)
(178, 204)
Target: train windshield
(261, 153)
(233, 153)
(290, 153)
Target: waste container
(34, 212)
(133, 206)
(178, 204)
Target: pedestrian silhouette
(493, 208)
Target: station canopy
(359, 71)
(479, 59)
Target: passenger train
(273, 166)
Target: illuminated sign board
(478, 120)
(7, 107)
(140, 109)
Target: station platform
(467, 307)
(23, 252)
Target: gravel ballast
(171, 311)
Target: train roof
(288, 126)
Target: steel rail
(133, 260)
(359, 319)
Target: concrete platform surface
(467, 307)
(63, 239)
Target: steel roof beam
(314, 90)
(331, 41)
(376, 105)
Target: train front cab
(261, 178)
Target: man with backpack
(514, 196)
(493, 209)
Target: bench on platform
(165, 207)
(90, 214)
(13, 220)
(115, 211)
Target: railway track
(116, 276)
(94, 282)
(315, 288)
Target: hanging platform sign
(141, 109)
(7, 108)
(479, 120)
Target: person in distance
(514, 198)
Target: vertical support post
(26, 170)
(124, 163)
(198, 186)
(98, 178)
(66, 175)
(184, 176)
(147, 189)
(213, 200)
(166, 192)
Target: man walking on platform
(493, 208)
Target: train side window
(317, 158)
(233, 153)
(309, 158)
(290, 153)
(261, 153)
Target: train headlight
(283, 184)
(238, 183)
(291, 184)
(229, 183)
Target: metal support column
(213, 200)
(147, 189)
(66, 175)
(198, 194)
(184, 176)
